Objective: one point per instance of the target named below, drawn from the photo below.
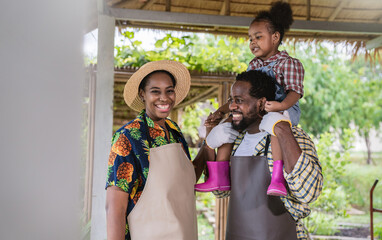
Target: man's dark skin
(244, 107)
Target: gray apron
(252, 214)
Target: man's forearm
(291, 151)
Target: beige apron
(166, 209)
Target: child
(266, 33)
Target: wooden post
(222, 204)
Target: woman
(150, 176)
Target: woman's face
(159, 96)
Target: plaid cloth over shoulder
(305, 181)
(289, 71)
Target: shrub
(333, 201)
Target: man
(252, 214)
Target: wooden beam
(225, 10)
(374, 43)
(148, 4)
(121, 4)
(308, 10)
(197, 98)
(240, 22)
(336, 11)
(168, 5)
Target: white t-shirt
(248, 144)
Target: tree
(327, 102)
(339, 93)
(367, 105)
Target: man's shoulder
(299, 132)
(302, 137)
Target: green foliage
(202, 52)
(367, 105)
(333, 200)
(358, 181)
(130, 54)
(192, 116)
(321, 224)
(328, 85)
(378, 230)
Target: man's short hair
(262, 85)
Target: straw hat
(178, 70)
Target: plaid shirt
(289, 71)
(304, 182)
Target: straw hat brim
(178, 70)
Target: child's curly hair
(279, 18)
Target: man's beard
(252, 117)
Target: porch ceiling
(336, 20)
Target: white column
(103, 122)
(41, 85)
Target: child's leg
(224, 152)
(218, 170)
(277, 186)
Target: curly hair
(262, 85)
(279, 18)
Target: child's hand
(213, 120)
(273, 106)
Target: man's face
(243, 107)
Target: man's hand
(271, 119)
(221, 134)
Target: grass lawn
(359, 178)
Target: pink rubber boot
(218, 177)
(277, 186)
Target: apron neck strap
(267, 145)
(174, 133)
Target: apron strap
(174, 133)
(267, 145)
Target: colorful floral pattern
(128, 164)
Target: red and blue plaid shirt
(289, 71)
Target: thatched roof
(336, 20)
